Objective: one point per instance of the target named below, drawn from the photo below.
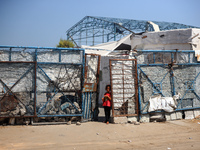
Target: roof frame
(91, 29)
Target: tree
(65, 43)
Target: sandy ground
(175, 135)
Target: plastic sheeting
(105, 48)
(167, 104)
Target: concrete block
(173, 116)
(145, 118)
(120, 120)
(189, 114)
(156, 116)
(22, 111)
(132, 119)
(196, 113)
(69, 123)
(168, 117)
(178, 115)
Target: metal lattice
(95, 30)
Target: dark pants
(107, 112)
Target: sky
(43, 22)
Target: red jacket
(106, 101)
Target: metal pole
(10, 53)
(93, 37)
(35, 88)
(172, 74)
(86, 36)
(123, 85)
(103, 35)
(136, 87)
(111, 87)
(82, 83)
(80, 39)
(114, 32)
(139, 98)
(59, 55)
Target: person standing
(107, 103)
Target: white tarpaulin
(167, 104)
(105, 48)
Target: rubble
(59, 107)
(57, 103)
(69, 123)
(62, 119)
(19, 121)
(65, 105)
(27, 121)
(78, 123)
(11, 121)
(137, 123)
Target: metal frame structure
(93, 30)
(157, 87)
(127, 79)
(37, 66)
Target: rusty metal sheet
(90, 87)
(8, 103)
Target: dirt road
(174, 135)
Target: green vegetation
(65, 43)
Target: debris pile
(19, 104)
(67, 104)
